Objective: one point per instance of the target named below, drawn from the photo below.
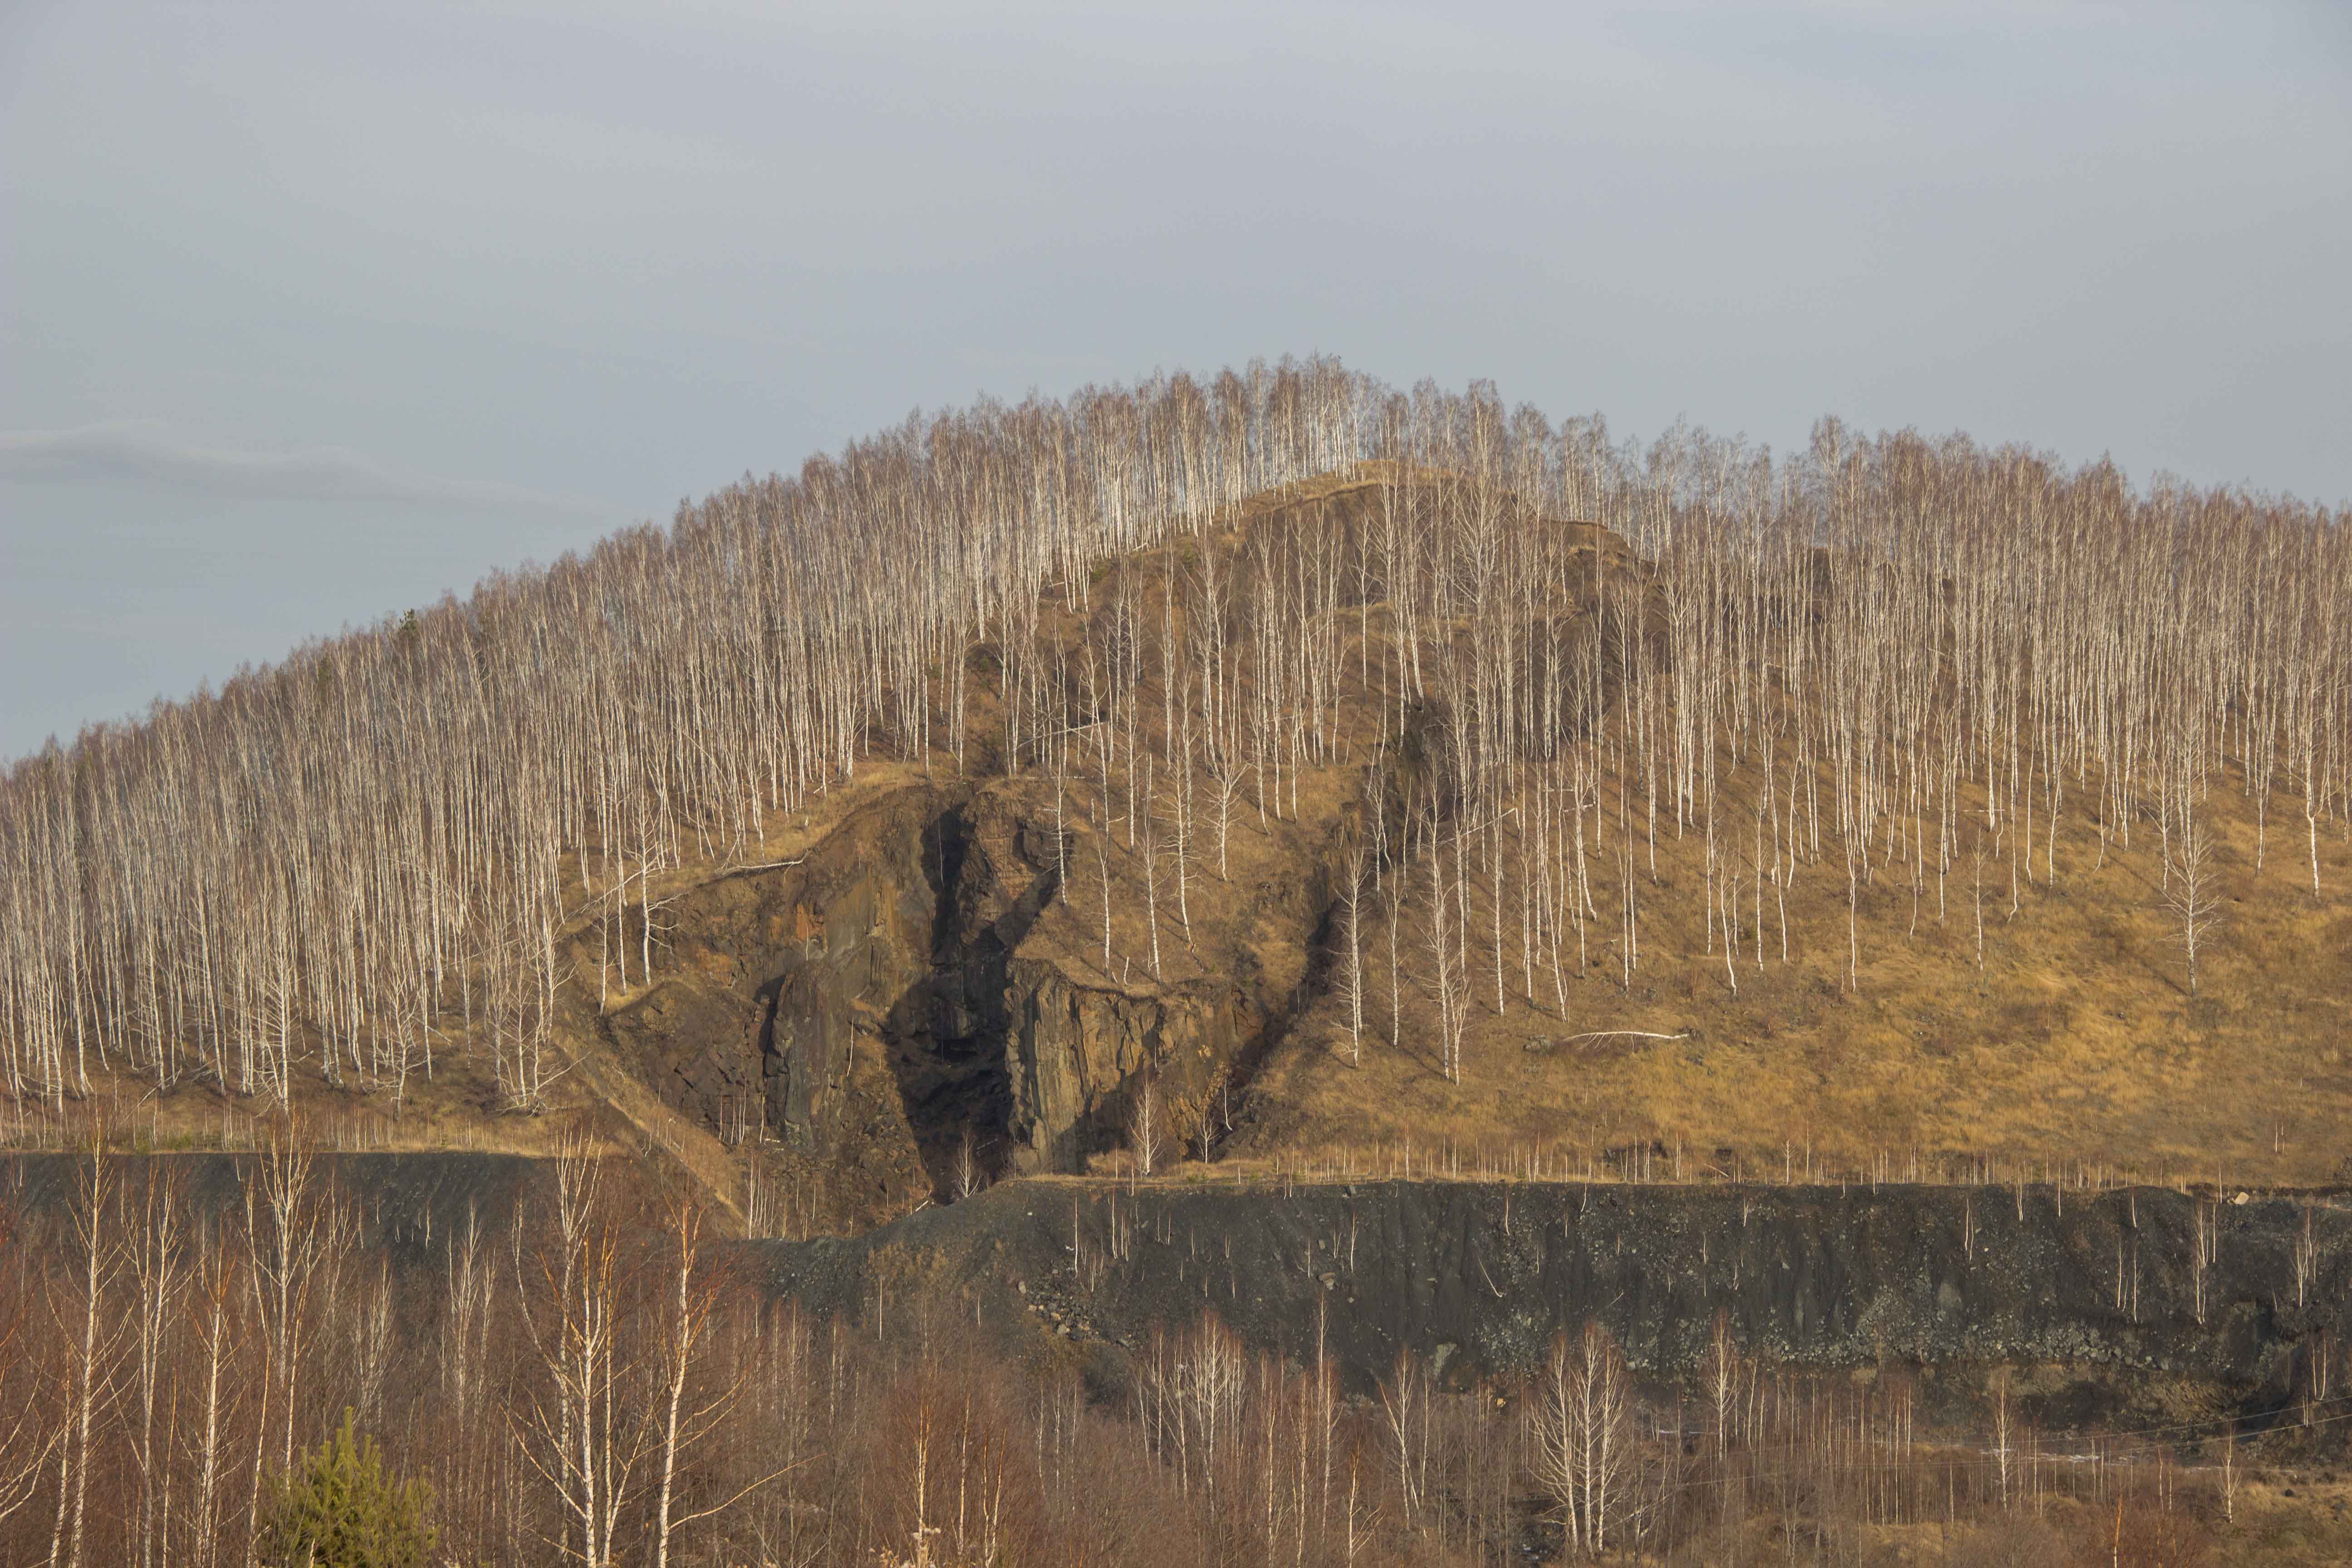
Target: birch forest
(1881, 661)
(581, 1382)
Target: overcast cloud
(310, 312)
(132, 452)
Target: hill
(1266, 772)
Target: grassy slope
(2077, 1041)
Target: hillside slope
(956, 963)
(1296, 786)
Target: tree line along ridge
(1533, 647)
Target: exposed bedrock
(2145, 1302)
(1077, 1054)
(411, 1205)
(885, 1000)
(2132, 1309)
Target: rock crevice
(894, 1011)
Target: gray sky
(307, 312)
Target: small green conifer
(337, 1509)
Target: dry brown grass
(122, 1113)
(2077, 1043)
(2288, 1520)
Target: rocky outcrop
(892, 1009)
(767, 974)
(1079, 1058)
(410, 1204)
(2120, 1305)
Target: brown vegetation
(1888, 797)
(592, 1387)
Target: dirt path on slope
(698, 1156)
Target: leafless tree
(1351, 973)
(2191, 893)
(1143, 1122)
(1584, 1436)
(1837, 670)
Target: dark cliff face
(2109, 1304)
(889, 999)
(409, 1204)
(2129, 1308)
(756, 958)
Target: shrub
(337, 1509)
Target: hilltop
(1261, 969)
(1040, 942)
